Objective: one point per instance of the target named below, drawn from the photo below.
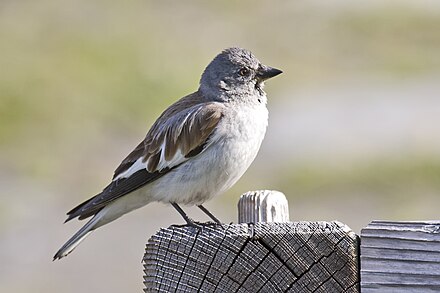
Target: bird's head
(235, 73)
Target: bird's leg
(188, 220)
(209, 214)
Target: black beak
(266, 72)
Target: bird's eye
(244, 71)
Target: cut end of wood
(263, 206)
(263, 257)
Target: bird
(196, 149)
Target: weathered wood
(261, 257)
(263, 206)
(400, 257)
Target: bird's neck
(257, 96)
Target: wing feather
(181, 132)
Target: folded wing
(181, 132)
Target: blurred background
(353, 132)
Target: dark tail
(76, 239)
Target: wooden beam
(400, 257)
(263, 253)
(265, 257)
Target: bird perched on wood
(197, 148)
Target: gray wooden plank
(403, 254)
(400, 257)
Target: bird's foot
(190, 223)
(199, 225)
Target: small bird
(198, 147)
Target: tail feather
(76, 211)
(76, 239)
(104, 215)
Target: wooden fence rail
(400, 257)
(265, 252)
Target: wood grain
(262, 257)
(263, 206)
(400, 257)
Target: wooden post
(400, 257)
(263, 206)
(254, 257)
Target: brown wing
(150, 146)
(181, 132)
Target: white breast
(236, 142)
(244, 134)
